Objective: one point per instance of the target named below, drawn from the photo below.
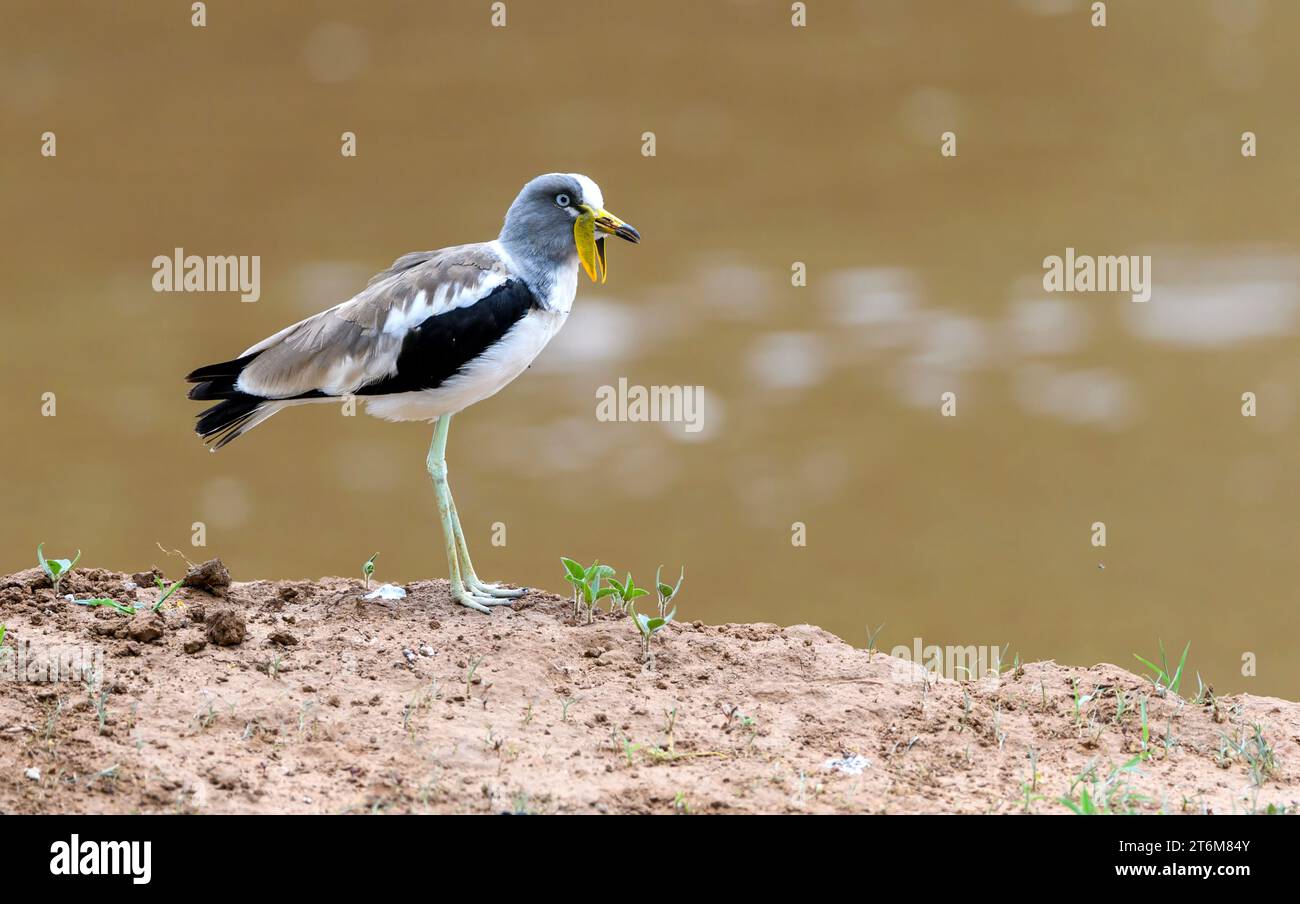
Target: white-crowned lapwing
(430, 336)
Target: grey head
(542, 226)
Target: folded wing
(413, 326)
(359, 342)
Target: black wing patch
(442, 345)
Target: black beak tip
(627, 232)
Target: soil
(303, 696)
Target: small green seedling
(1099, 796)
(3, 629)
(166, 592)
(626, 592)
(112, 604)
(1163, 679)
(56, 569)
(1146, 731)
(368, 569)
(469, 676)
(586, 584)
(871, 639)
(667, 594)
(648, 627)
(575, 574)
(1029, 788)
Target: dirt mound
(298, 696)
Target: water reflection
(1209, 300)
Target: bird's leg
(482, 588)
(437, 465)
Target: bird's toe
(485, 588)
(470, 601)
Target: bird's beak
(589, 232)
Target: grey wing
(336, 352)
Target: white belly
(484, 377)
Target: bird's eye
(562, 200)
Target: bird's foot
(474, 601)
(500, 594)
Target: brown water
(774, 145)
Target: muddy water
(821, 403)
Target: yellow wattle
(584, 236)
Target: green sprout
(1098, 796)
(103, 601)
(626, 592)
(469, 676)
(166, 592)
(1030, 787)
(871, 639)
(586, 584)
(648, 627)
(1256, 751)
(667, 594)
(368, 569)
(1163, 679)
(575, 574)
(56, 569)
(100, 702)
(3, 629)
(1146, 731)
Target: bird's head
(566, 211)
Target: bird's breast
(564, 288)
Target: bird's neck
(543, 268)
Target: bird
(428, 337)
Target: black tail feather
(217, 381)
(225, 420)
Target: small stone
(426, 650)
(195, 644)
(848, 764)
(227, 628)
(33, 773)
(224, 777)
(146, 578)
(146, 627)
(409, 656)
(283, 639)
(211, 576)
